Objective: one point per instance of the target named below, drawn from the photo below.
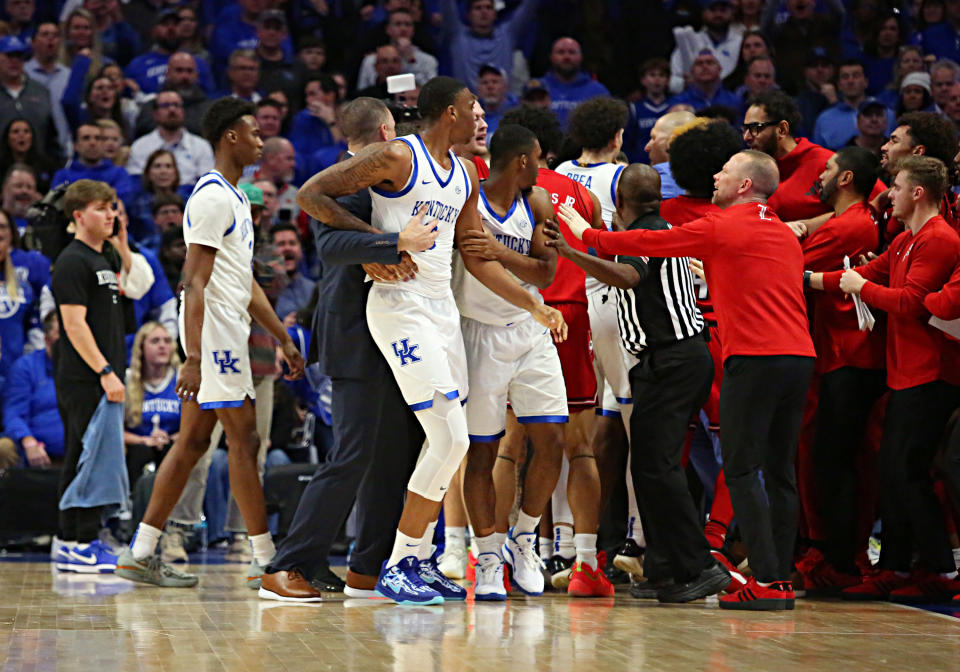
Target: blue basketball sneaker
(432, 577)
(402, 584)
(93, 558)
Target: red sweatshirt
(568, 282)
(836, 335)
(679, 211)
(897, 283)
(797, 196)
(945, 304)
(754, 267)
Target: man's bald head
(181, 71)
(748, 176)
(275, 146)
(661, 133)
(638, 187)
(762, 169)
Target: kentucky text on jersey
(437, 210)
(520, 245)
(160, 405)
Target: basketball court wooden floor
(51, 621)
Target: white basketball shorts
(611, 361)
(225, 378)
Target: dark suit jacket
(344, 346)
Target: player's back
(599, 178)
(444, 193)
(217, 215)
(568, 284)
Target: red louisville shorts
(576, 357)
(712, 407)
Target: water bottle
(200, 529)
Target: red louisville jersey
(678, 211)
(568, 283)
(483, 171)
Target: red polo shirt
(754, 268)
(897, 282)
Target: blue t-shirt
(149, 71)
(21, 313)
(162, 403)
(643, 115)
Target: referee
(661, 325)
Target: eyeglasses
(756, 127)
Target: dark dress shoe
(648, 590)
(326, 580)
(288, 587)
(710, 582)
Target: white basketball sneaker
(489, 584)
(453, 562)
(520, 552)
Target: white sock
(950, 576)
(501, 540)
(488, 544)
(454, 537)
(426, 544)
(586, 545)
(263, 548)
(525, 524)
(546, 548)
(403, 547)
(563, 541)
(145, 541)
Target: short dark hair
(779, 107)
(437, 95)
(284, 226)
(509, 141)
(853, 62)
(863, 164)
(327, 83)
(82, 193)
(221, 117)
(595, 122)
(541, 121)
(698, 153)
(652, 64)
(269, 102)
(937, 135)
(926, 172)
(163, 199)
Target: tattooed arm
(383, 164)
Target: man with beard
(495, 96)
(566, 82)
(149, 70)
(850, 365)
(193, 154)
(19, 193)
(182, 77)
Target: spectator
(80, 39)
(167, 213)
(931, 12)
(412, 59)
(567, 83)
(914, 93)
(706, 87)
(658, 149)
(940, 39)
(871, 126)
(909, 60)
(654, 77)
(268, 192)
(749, 16)
(494, 96)
(173, 254)
(818, 91)
(194, 154)
(87, 100)
(243, 76)
(236, 28)
(30, 415)
(182, 77)
(387, 62)
(276, 65)
(21, 96)
(269, 118)
(310, 62)
(45, 68)
(716, 35)
(120, 41)
(880, 53)
(803, 30)
(483, 41)
(191, 40)
(152, 408)
(753, 44)
(286, 240)
(315, 126)
(952, 110)
(760, 78)
(838, 123)
(126, 91)
(943, 74)
(19, 193)
(150, 69)
(90, 164)
(18, 145)
(277, 166)
(160, 176)
(114, 146)
(19, 15)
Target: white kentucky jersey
(218, 215)
(513, 230)
(444, 193)
(601, 179)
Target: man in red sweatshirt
(749, 257)
(918, 262)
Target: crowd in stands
(115, 91)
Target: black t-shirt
(83, 276)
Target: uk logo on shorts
(227, 363)
(406, 352)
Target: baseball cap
(167, 13)
(254, 194)
(819, 55)
(11, 44)
(867, 103)
(921, 79)
(706, 4)
(272, 15)
(486, 69)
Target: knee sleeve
(445, 425)
(562, 515)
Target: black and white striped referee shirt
(662, 309)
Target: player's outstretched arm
(196, 275)
(386, 164)
(266, 316)
(623, 276)
(493, 275)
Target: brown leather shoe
(288, 587)
(361, 585)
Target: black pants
(951, 462)
(843, 408)
(669, 386)
(761, 408)
(77, 404)
(909, 509)
(377, 439)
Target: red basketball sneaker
(876, 587)
(588, 582)
(737, 580)
(926, 588)
(778, 596)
